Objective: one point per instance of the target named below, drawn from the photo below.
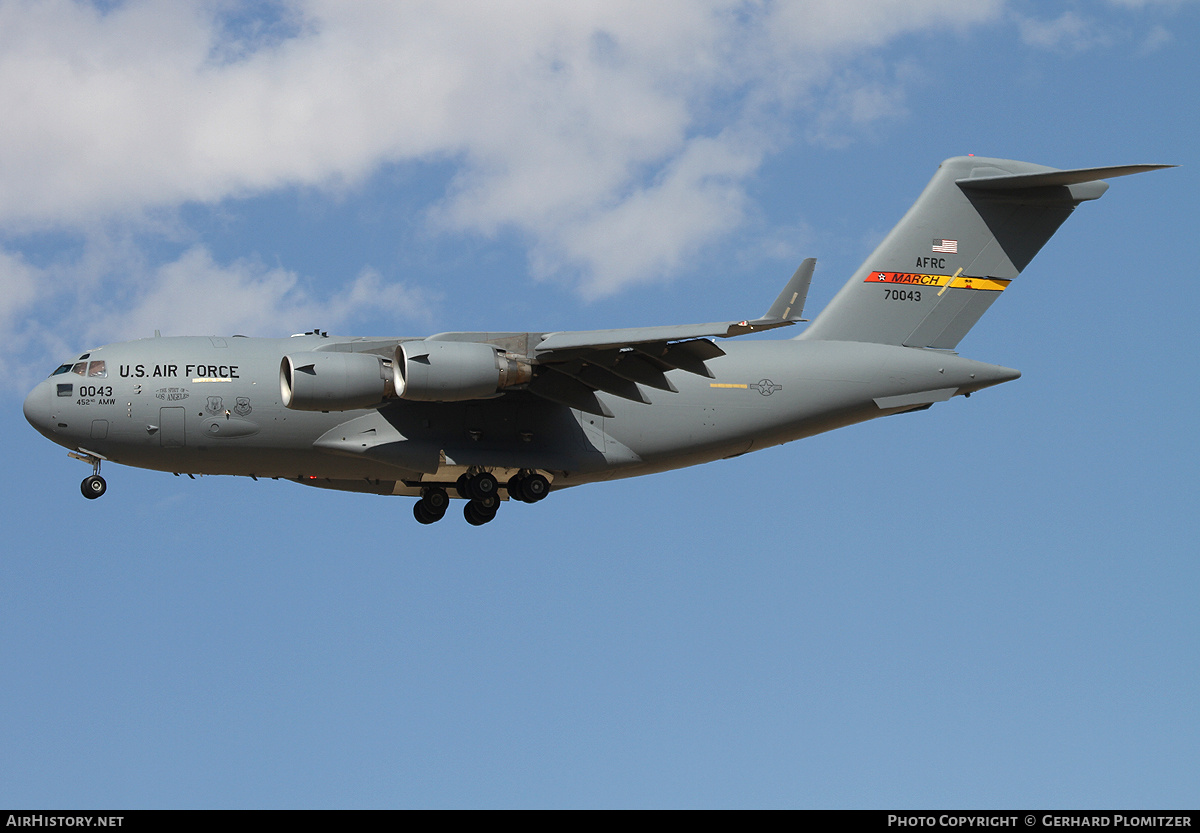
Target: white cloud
(568, 121)
(1140, 4)
(195, 295)
(853, 104)
(648, 232)
(18, 287)
(1069, 31)
(1157, 37)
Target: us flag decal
(949, 247)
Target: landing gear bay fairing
(489, 417)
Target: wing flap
(628, 364)
(566, 390)
(684, 355)
(597, 377)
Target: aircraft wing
(784, 312)
(630, 336)
(570, 367)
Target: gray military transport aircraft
(491, 416)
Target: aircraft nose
(37, 407)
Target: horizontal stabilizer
(1004, 182)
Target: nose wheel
(92, 487)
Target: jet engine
(320, 381)
(452, 371)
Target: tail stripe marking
(948, 281)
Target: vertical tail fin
(973, 229)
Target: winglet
(789, 306)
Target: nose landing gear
(94, 486)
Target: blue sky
(988, 604)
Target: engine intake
(453, 371)
(322, 381)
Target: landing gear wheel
(422, 514)
(482, 486)
(431, 508)
(529, 488)
(92, 487)
(479, 512)
(436, 500)
(535, 488)
(514, 488)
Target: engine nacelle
(320, 381)
(453, 371)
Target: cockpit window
(62, 368)
(97, 370)
(80, 369)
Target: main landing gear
(432, 505)
(481, 491)
(94, 486)
(480, 511)
(528, 488)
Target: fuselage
(214, 406)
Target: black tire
(436, 500)
(92, 487)
(516, 488)
(535, 487)
(460, 486)
(475, 515)
(422, 514)
(482, 485)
